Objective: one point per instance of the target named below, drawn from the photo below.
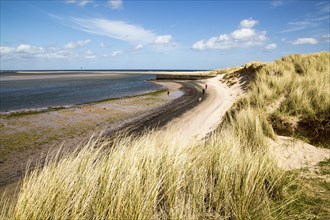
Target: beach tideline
(53, 89)
(26, 136)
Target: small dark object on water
(168, 92)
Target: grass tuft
(151, 177)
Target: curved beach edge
(14, 168)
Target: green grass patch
(312, 194)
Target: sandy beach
(185, 110)
(29, 137)
(180, 110)
(194, 125)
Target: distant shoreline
(127, 71)
(27, 75)
(27, 91)
(60, 107)
(132, 115)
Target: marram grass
(152, 177)
(230, 176)
(292, 93)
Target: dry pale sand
(292, 154)
(194, 125)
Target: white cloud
(117, 53)
(298, 25)
(77, 44)
(248, 23)
(199, 45)
(305, 41)
(243, 37)
(318, 16)
(23, 48)
(119, 30)
(276, 3)
(90, 55)
(163, 39)
(81, 3)
(26, 51)
(138, 47)
(244, 33)
(6, 50)
(29, 52)
(326, 37)
(115, 4)
(324, 6)
(271, 46)
(102, 45)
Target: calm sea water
(17, 94)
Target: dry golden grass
(290, 96)
(151, 177)
(298, 88)
(230, 176)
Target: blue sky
(122, 34)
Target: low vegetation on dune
(291, 97)
(229, 176)
(292, 93)
(152, 177)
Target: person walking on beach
(203, 91)
(168, 93)
(205, 86)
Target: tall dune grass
(298, 88)
(152, 177)
(230, 176)
(303, 79)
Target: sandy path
(292, 154)
(195, 124)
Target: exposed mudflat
(67, 128)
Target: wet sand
(31, 137)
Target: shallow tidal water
(43, 90)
